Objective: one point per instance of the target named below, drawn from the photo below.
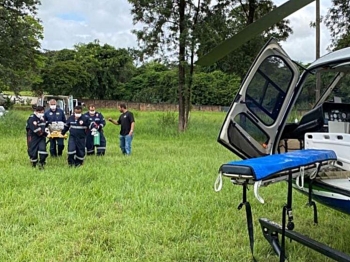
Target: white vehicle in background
(3, 111)
(65, 103)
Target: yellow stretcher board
(57, 134)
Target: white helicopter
(312, 154)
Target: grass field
(156, 205)
(22, 93)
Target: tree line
(162, 69)
(96, 71)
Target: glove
(100, 127)
(62, 133)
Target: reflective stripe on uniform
(43, 153)
(71, 152)
(36, 130)
(78, 127)
(33, 160)
(90, 151)
(80, 158)
(100, 148)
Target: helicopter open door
(253, 122)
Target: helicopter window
(342, 90)
(251, 128)
(267, 90)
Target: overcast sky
(68, 22)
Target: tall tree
(227, 18)
(170, 32)
(89, 70)
(64, 78)
(109, 68)
(19, 42)
(338, 22)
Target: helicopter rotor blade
(252, 30)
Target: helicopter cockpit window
(341, 91)
(267, 90)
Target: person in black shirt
(127, 123)
(77, 125)
(36, 137)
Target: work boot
(41, 166)
(79, 164)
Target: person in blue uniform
(99, 123)
(55, 114)
(36, 137)
(78, 125)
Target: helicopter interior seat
(312, 121)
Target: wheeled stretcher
(294, 167)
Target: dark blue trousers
(76, 150)
(56, 146)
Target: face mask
(53, 107)
(92, 112)
(40, 115)
(77, 115)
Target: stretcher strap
(218, 182)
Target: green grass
(156, 205)
(22, 93)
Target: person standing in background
(127, 123)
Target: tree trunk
(182, 61)
(251, 11)
(318, 36)
(190, 80)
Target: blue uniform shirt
(77, 127)
(36, 126)
(98, 119)
(55, 116)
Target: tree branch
(244, 10)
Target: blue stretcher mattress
(264, 167)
